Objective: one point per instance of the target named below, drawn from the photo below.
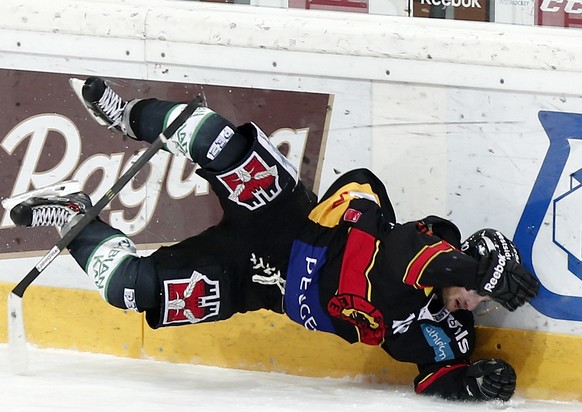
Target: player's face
(457, 298)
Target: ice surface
(59, 380)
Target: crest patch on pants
(191, 300)
(252, 184)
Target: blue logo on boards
(552, 219)
(439, 341)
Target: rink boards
(479, 123)
(546, 363)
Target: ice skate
(102, 103)
(62, 188)
(50, 206)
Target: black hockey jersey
(356, 273)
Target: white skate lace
(112, 106)
(51, 215)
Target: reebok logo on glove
(500, 275)
(497, 272)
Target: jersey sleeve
(428, 258)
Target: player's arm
(427, 254)
(488, 262)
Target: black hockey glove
(506, 281)
(490, 379)
(500, 275)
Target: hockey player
(341, 265)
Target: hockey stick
(16, 332)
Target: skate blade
(59, 189)
(77, 86)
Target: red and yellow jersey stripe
(419, 263)
(330, 211)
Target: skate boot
(103, 104)
(50, 207)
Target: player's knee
(134, 285)
(222, 153)
(208, 139)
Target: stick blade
(17, 347)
